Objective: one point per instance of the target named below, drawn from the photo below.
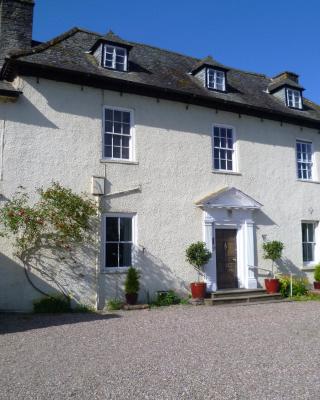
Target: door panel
(226, 255)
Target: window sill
(115, 271)
(110, 161)
(226, 172)
(308, 181)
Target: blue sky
(261, 36)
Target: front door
(226, 253)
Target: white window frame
(315, 243)
(312, 162)
(132, 134)
(293, 93)
(234, 149)
(214, 87)
(114, 55)
(133, 217)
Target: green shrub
(53, 304)
(131, 284)
(316, 273)
(299, 286)
(272, 251)
(84, 308)
(198, 255)
(114, 304)
(168, 298)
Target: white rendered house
(173, 148)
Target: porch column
(250, 278)
(209, 239)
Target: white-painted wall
(53, 132)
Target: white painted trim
(104, 50)
(300, 98)
(235, 169)
(314, 173)
(132, 135)
(241, 220)
(134, 217)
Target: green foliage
(59, 220)
(198, 255)
(299, 286)
(131, 284)
(273, 250)
(114, 304)
(307, 297)
(84, 308)
(168, 298)
(316, 273)
(53, 304)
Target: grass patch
(307, 297)
(84, 308)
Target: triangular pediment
(230, 198)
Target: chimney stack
(16, 19)
(286, 75)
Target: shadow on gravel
(12, 323)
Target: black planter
(131, 298)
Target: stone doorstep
(244, 299)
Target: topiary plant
(273, 251)
(198, 256)
(131, 284)
(316, 273)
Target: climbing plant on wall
(58, 222)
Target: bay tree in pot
(132, 286)
(272, 251)
(198, 256)
(316, 275)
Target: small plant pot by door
(198, 290)
(316, 285)
(272, 285)
(131, 298)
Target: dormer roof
(208, 62)
(113, 39)
(285, 78)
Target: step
(237, 293)
(242, 299)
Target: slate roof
(156, 71)
(277, 84)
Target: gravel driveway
(268, 351)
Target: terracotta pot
(198, 290)
(131, 298)
(272, 285)
(316, 285)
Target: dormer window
(115, 57)
(294, 98)
(216, 79)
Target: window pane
(116, 152)
(126, 129)
(125, 251)
(223, 164)
(116, 140)
(304, 252)
(126, 117)
(216, 163)
(117, 116)
(109, 126)
(310, 233)
(111, 255)
(125, 141)
(304, 233)
(112, 234)
(107, 151)
(125, 153)
(125, 229)
(109, 114)
(117, 127)
(108, 140)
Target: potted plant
(272, 251)
(316, 276)
(131, 286)
(198, 256)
